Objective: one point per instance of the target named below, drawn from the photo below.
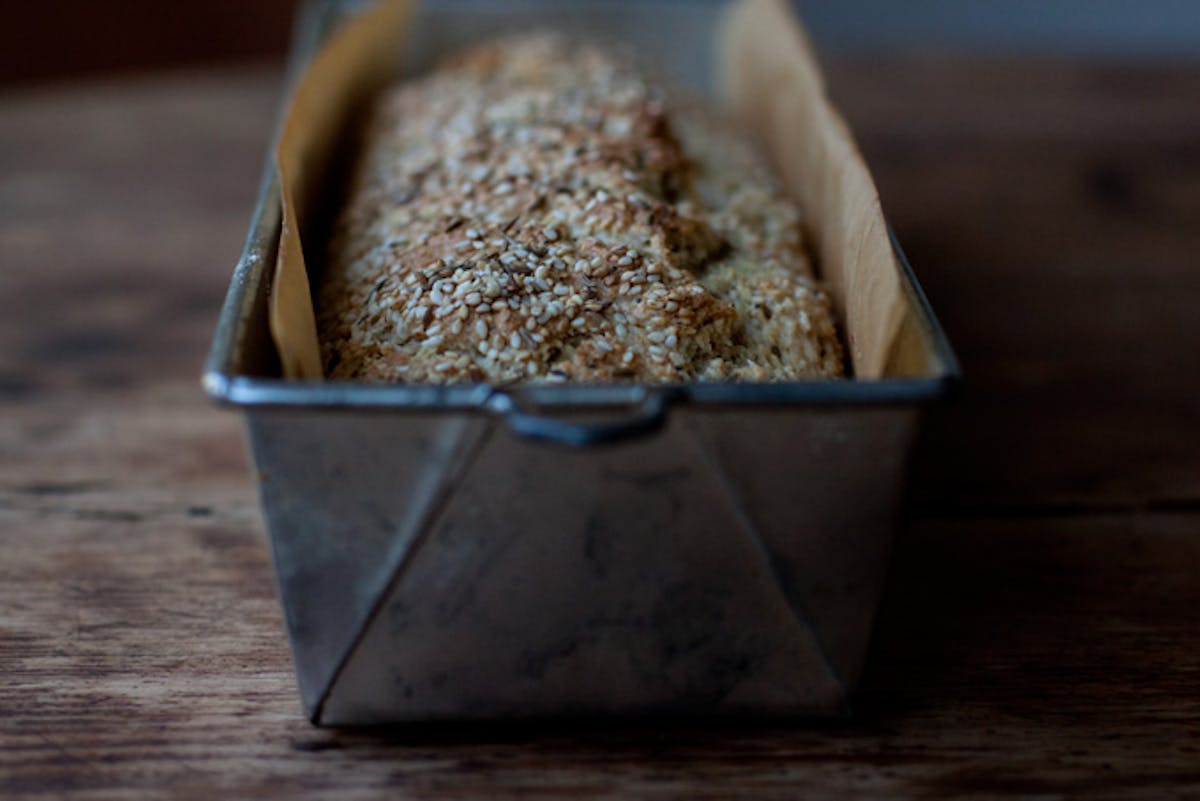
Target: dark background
(57, 39)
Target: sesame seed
(625, 261)
(672, 341)
(628, 357)
(481, 328)
(562, 289)
(579, 322)
(478, 245)
(462, 244)
(504, 188)
(582, 265)
(473, 299)
(514, 340)
(457, 328)
(550, 233)
(622, 331)
(472, 233)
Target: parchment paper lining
(769, 77)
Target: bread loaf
(536, 211)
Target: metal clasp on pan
(647, 414)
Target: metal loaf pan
(583, 551)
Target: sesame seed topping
(570, 264)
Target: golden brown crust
(530, 212)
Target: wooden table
(1041, 632)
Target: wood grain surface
(1040, 636)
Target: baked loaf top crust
(531, 212)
